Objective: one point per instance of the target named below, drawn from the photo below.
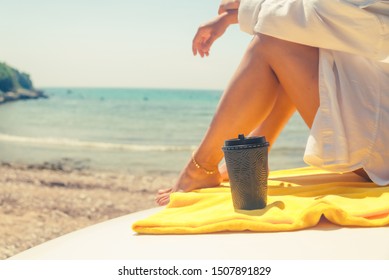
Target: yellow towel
(297, 199)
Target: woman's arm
(212, 30)
(228, 5)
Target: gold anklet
(198, 166)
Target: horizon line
(127, 87)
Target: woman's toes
(163, 199)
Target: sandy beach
(41, 202)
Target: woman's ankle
(206, 161)
(203, 166)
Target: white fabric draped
(350, 130)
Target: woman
(325, 58)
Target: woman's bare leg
(267, 65)
(277, 119)
(272, 126)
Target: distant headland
(16, 85)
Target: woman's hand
(228, 5)
(210, 31)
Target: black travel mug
(247, 166)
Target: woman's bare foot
(191, 178)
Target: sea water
(136, 130)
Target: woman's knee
(273, 47)
(295, 66)
(263, 44)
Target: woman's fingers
(201, 42)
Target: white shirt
(351, 127)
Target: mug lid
(242, 140)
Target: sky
(116, 43)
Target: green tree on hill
(11, 79)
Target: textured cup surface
(247, 169)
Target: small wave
(63, 142)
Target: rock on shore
(16, 85)
(20, 94)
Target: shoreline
(21, 94)
(41, 202)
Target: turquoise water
(139, 130)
